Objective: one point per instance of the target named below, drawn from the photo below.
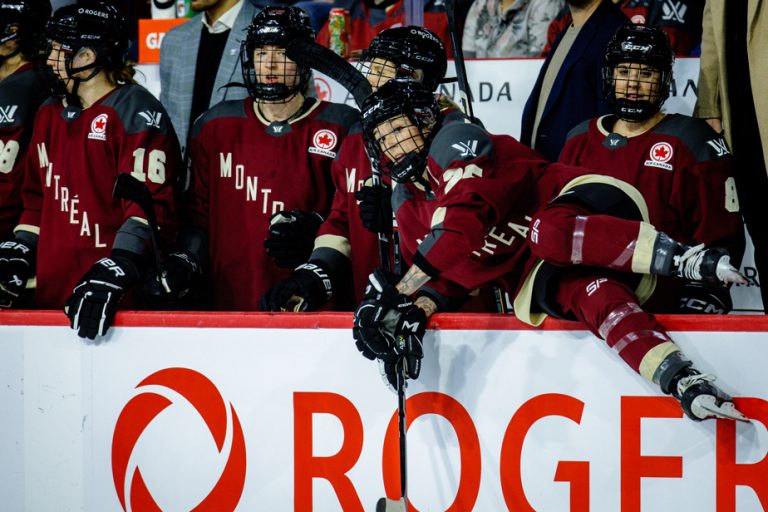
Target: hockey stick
(129, 188)
(311, 54)
(465, 95)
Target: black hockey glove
(292, 237)
(17, 265)
(308, 288)
(376, 208)
(388, 326)
(93, 303)
(700, 299)
(182, 274)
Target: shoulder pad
(579, 129)
(460, 141)
(343, 115)
(20, 96)
(229, 108)
(697, 136)
(139, 110)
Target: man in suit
(569, 87)
(192, 50)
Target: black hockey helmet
(24, 21)
(96, 25)
(638, 44)
(394, 99)
(275, 26)
(417, 53)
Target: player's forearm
(414, 279)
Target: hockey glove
(376, 208)
(698, 298)
(388, 326)
(94, 300)
(17, 265)
(308, 288)
(292, 237)
(182, 273)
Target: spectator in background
(733, 97)
(673, 160)
(199, 57)
(679, 19)
(508, 28)
(569, 87)
(22, 43)
(369, 17)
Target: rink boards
(280, 412)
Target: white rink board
(61, 400)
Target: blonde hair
(122, 76)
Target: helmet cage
(275, 26)
(416, 53)
(395, 99)
(23, 21)
(632, 49)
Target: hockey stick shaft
(129, 188)
(458, 59)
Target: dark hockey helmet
(394, 99)
(95, 25)
(416, 52)
(24, 21)
(275, 26)
(635, 45)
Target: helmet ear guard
(275, 26)
(394, 99)
(636, 45)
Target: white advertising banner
(253, 417)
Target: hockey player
(261, 169)
(86, 248)
(345, 239)
(573, 257)
(21, 93)
(679, 164)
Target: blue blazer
(577, 93)
(178, 60)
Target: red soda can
(339, 22)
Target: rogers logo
(142, 409)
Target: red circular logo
(661, 152)
(324, 139)
(638, 19)
(99, 124)
(139, 412)
(323, 89)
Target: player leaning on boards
(564, 242)
(345, 240)
(99, 124)
(21, 92)
(260, 169)
(679, 164)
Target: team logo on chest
(323, 142)
(659, 156)
(99, 127)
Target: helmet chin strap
(72, 96)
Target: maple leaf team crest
(99, 127)
(659, 155)
(323, 142)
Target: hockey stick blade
(388, 505)
(320, 58)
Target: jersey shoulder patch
(697, 136)
(460, 141)
(20, 96)
(342, 115)
(139, 110)
(579, 129)
(225, 109)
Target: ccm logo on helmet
(92, 12)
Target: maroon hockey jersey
(244, 169)
(74, 158)
(486, 188)
(681, 167)
(21, 94)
